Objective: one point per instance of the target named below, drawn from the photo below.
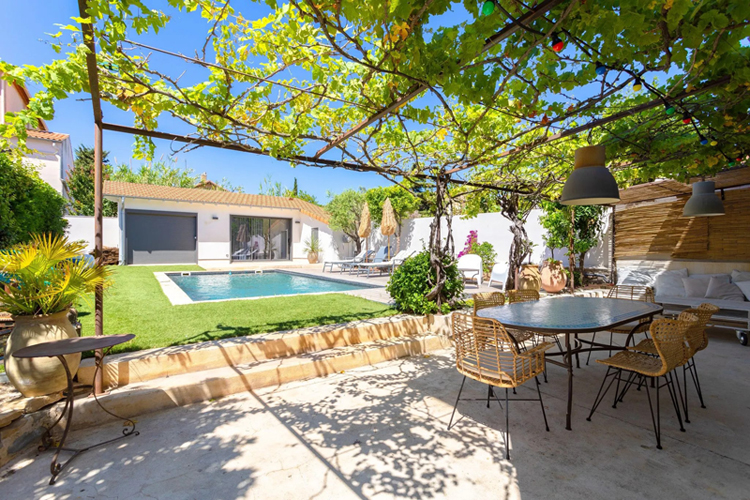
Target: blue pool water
(237, 285)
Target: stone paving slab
(380, 432)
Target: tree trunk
(438, 250)
(571, 255)
(357, 242)
(519, 250)
(581, 263)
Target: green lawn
(136, 304)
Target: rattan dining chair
(521, 295)
(493, 299)
(669, 339)
(697, 340)
(487, 353)
(628, 292)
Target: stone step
(149, 364)
(173, 391)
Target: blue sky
(25, 43)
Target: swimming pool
(205, 286)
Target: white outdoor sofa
(734, 314)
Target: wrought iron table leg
(55, 466)
(569, 362)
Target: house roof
(167, 193)
(46, 135)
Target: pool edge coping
(178, 297)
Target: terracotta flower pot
(528, 278)
(554, 278)
(39, 376)
(312, 258)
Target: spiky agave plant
(45, 276)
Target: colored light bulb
(600, 68)
(704, 141)
(488, 7)
(686, 119)
(732, 163)
(637, 85)
(714, 142)
(669, 109)
(557, 44)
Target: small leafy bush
(412, 280)
(487, 252)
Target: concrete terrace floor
(380, 432)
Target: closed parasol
(388, 225)
(365, 225)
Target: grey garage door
(160, 237)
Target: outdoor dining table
(571, 316)
(59, 349)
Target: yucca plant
(46, 276)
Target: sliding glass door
(256, 238)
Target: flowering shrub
(470, 240)
(485, 250)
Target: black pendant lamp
(704, 202)
(591, 183)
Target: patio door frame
(288, 232)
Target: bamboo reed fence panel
(659, 230)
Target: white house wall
(52, 159)
(494, 228)
(81, 227)
(213, 220)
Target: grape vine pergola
(432, 95)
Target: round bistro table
(571, 316)
(58, 349)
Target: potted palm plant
(42, 280)
(312, 248)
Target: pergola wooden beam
(608, 119)
(417, 89)
(322, 162)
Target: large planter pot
(39, 376)
(312, 258)
(528, 278)
(553, 277)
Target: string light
(557, 44)
(488, 7)
(668, 109)
(637, 85)
(704, 141)
(600, 68)
(686, 119)
(714, 142)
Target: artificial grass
(136, 304)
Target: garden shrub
(413, 279)
(28, 205)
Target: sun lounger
(361, 257)
(389, 265)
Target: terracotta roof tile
(46, 135)
(152, 192)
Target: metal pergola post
(93, 74)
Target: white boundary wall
(81, 227)
(494, 228)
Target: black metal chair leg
(456, 405)
(489, 394)
(611, 339)
(545, 370)
(628, 384)
(685, 400)
(656, 421)
(507, 424)
(696, 380)
(674, 392)
(600, 395)
(544, 413)
(593, 339)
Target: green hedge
(28, 205)
(410, 283)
